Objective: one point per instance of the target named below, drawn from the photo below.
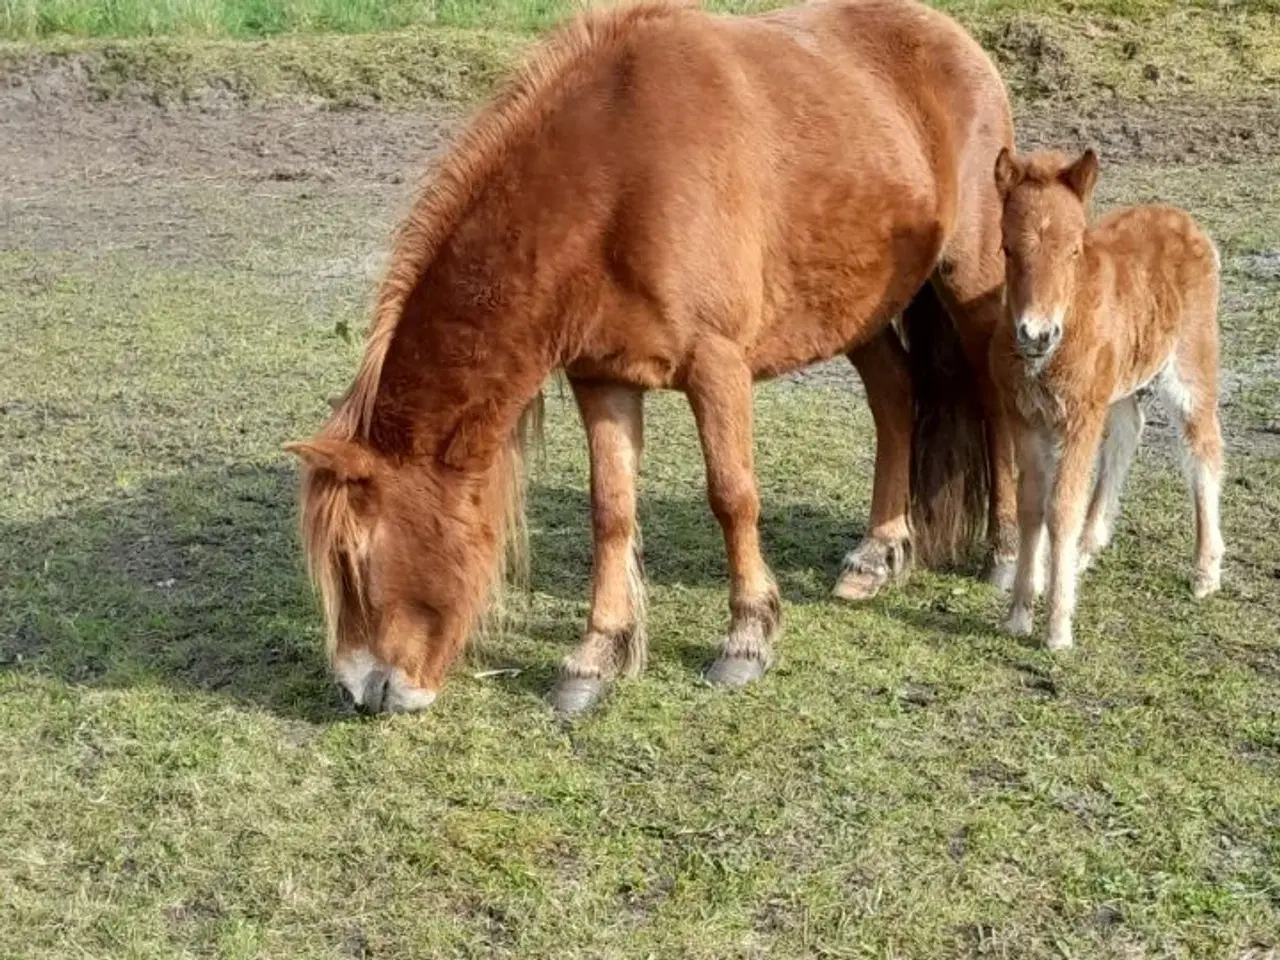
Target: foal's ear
(1008, 173)
(1082, 175)
(349, 462)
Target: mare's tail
(950, 477)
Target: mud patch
(1194, 132)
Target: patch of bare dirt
(49, 144)
(1192, 132)
(69, 164)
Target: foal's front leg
(1066, 520)
(719, 387)
(1034, 479)
(615, 639)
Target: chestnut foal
(1095, 314)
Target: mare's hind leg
(885, 553)
(1119, 445)
(615, 639)
(719, 387)
(1197, 416)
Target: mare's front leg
(719, 387)
(615, 641)
(885, 552)
(1066, 521)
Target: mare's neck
(461, 368)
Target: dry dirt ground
(82, 173)
(75, 173)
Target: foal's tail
(950, 480)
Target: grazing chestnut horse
(1095, 315)
(666, 199)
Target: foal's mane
(553, 68)
(1043, 166)
(335, 541)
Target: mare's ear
(475, 440)
(1082, 175)
(348, 461)
(1008, 172)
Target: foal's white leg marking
(1202, 477)
(1119, 445)
(1206, 486)
(1035, 465)
(1066, 520)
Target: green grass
(30, 19)
(177, 779)
(1080, 51)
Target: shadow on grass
(195, 582)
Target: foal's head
(404, 553)
(1046, 198)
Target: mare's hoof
(856, 585)
(729, 671)
(1000, 574)
(573, 695)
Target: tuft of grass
(1087, 54)
(444, 64)
(33, 19)
(177, 779)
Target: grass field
(28, 19)
(177, 778)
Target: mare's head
(1046, 199)
(405, 553)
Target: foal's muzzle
(1036, 338)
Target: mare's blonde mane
(537, 88)
(335, 539)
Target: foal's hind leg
(719, 389)
(1119, 445)
(885, 553)
(615, 639)
(1197, 416)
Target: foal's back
(1156, 292)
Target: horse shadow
(195, 583)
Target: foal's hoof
(574, 695)
(1204, 584)
(730, 671)
(1000, 574)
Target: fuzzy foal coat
(1137, 293)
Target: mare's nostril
(375, 691)
(348, 699)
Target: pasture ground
(177, 777)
